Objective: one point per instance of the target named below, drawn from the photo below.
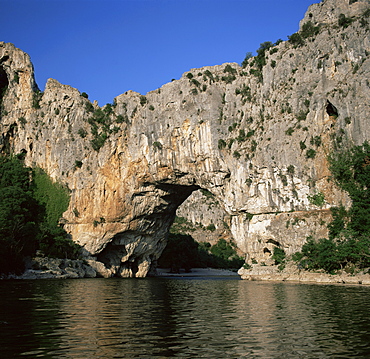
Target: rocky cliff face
(257, 138)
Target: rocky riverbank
(48, 268)
(291, 273)
(54, 268)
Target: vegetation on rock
(183, 252)
(348, 245)
(30, 208)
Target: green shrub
(302, 115)
(248, 56)
(310, 153)
(272, 51)
(316, 140)
(296, 39)
(245, 91)
(53, 195)
(82, 132)
(85, 95)
(22, 120)
(209, 75)
(344, 21)
(19, 214)
(78, 164)
(232, 127)
(195, 82)
(254, 145)
(236, 154)
(351, 170)
(143, 100)
(228, 79)
(122, 119)
(317, 199)
(250, 133)
(157, 145)
(31, 205)
(230, 69)
(98, 141)
(89, 107)
(108, 109)
(36, 98)
(347, 120)
(16, 78)
(349, 231)
(257, 73)
(278, 255)
(291, 169)
(242, 136)
(309, 30)
(207, 193)
(221, 144)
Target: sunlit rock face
(258, 142)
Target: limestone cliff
(256, 137)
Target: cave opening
(4, 82)
(331, 110)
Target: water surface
(182, 317)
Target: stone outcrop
(50, 268)
(291, 273)
(257, 138)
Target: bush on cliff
(30, 207)
(349, 232)
(19, 213)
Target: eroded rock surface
(257, 140)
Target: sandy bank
(197, 272)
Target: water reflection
(117, 318)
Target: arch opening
(131, 253)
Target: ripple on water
(168, 318)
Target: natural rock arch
(130, 253)
(259, 144)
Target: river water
(182, 318)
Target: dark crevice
(4, 58)
(4, 82)
(272, 241)
(331, 110)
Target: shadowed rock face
(256, 139)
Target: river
(182, 318)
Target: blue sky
(107, 47)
